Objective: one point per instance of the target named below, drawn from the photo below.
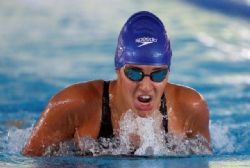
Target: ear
(118, 73)
(168, 76)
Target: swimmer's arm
(56, 124)
(198, 121)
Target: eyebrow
(134, 67)
(159, 68)
(154, 69)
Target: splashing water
(148, 131)
(223, 139)
(154, 140)
(137, 136)
(15, 139)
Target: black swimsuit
(106, 130)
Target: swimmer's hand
(135, 140)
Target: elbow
(29, 152)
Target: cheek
(128, 87)
(161, 87)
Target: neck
(117, 103)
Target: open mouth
(144, 98)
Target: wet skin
(75, 111)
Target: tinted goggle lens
(136, 74)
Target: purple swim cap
(143, 40)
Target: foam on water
(223, 141)
(151, 141)
(153, 137)
(226, 139)
(15, 139)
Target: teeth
(144, 98)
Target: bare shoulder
(187, 96)
(80, 91)
(70, 108)
(191, 110)
(77, 102)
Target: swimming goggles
(136, 74)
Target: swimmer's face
(142, 96)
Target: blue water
(46, 45)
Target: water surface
(48, 45)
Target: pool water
(46, 45)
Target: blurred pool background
(46, 45)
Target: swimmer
(94, 109)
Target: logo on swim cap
(145, 41)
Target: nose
(146, 84)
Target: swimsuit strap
(106, 129)
(163, 110)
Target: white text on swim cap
(145, 41)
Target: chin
(143, 114)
